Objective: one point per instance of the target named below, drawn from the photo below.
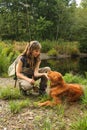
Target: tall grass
(80, 124)
(6, 57)
(84, 98)
(9, 93)
(13, 95)
(70, 78)
(17, 106)
(69, 48)
(62, 47)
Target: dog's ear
(60, 78)
(57, 78)
(49, 72)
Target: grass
(16, 106)
(81, 124)
(70, 78)
(52, 119)
(9, 93)
(84, 98)
(60, 117)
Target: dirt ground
(35, 118)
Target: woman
(28, 71)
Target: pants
(25, 85)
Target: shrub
(69, 48)
(83, 45)
(52, 52)
(46, 46)
(8, 54)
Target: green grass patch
(17, 106)
(84, 97)
(70, 78)
(52, 52)
(60, 109)
(9, 93)
(81, 124)
(43, 98)
(49, 121)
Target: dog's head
(55, 77)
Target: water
(66, 65)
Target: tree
(47, 19)
(81, 30)
(84, 3)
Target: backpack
(12, 69)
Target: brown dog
(59, 89)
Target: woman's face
(35, 53)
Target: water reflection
(74, 65)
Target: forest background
(55, 23)
(41, 20)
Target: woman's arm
(36, 73)
(20, 75)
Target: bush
(8, 55)
(52, 52)
(46, 46)
(83, 45)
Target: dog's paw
(40, 104)
(47, 103)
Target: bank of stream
(66, 64)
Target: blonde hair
(33, 45)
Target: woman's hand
(31, 81)
(45, 74)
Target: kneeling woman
(28, 70)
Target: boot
(23, 92)
(43, 85)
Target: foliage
(52, 52)
(26, 20)
(10, 51)
(81, 28)
(60, 117)
(70, 78)
(47, 45)
(70, 48)
(84, 98)
(81, 124)
(16, 106)
(61, 47)
(10, 93)
(84, 3)
(8, 54)
(42, 28)
(4, 59)
(47, 123)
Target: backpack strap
(15, 77)
(15, 83)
